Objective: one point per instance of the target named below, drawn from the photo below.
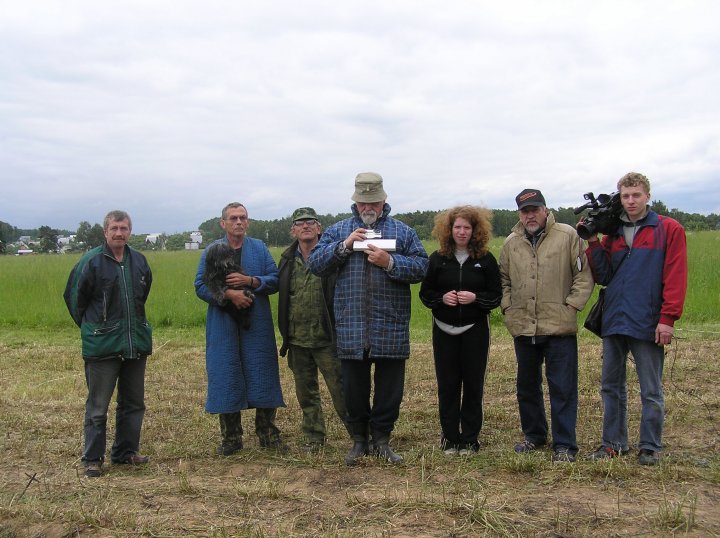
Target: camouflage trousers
(231, 429)
(305, 363)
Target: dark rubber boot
(383, 451)
(358, 450)
(231, 434)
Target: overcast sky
(171, 109)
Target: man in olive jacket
(546, 281)
(305, 321)
(106, 295)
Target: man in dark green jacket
(106, 295)
(305, 321)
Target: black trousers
(389, 379)
(460, 366)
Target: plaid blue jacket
(372, 306)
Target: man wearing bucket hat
(305, 321)
(372, 311)
(546, 281)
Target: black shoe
(648, 457)
(229, 448)
(358, 450)
(93, 469)
(527, 446)
(134, 459)
(275, 444)
(563, 454)
(468, 449)
(605, 453)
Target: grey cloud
(173, 109)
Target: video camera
(604, 214)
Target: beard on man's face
(369, 216)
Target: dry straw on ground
(186, 490)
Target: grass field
(188, 491)
(31, 288)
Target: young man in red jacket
(644, 266)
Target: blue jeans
(101, 377)
(649, 362)
(560, 355)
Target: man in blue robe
(241, 359)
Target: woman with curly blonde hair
(461, 286)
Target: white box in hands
(374, 238)
(385, 244)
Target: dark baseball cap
(530, 197)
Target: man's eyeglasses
(301, 223)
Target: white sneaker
(452, 451)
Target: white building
(62, 240)
(195, 240)
(152, 238)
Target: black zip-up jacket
(480, 276)
(106, 299)
(285, 269)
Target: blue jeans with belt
(101, 377)
(560, 355)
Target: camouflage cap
(304, 213)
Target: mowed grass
(187, 490)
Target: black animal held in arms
(219, 262)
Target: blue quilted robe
(242, 365)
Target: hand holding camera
(603, 217)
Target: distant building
(195, 240)
(152, 238)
